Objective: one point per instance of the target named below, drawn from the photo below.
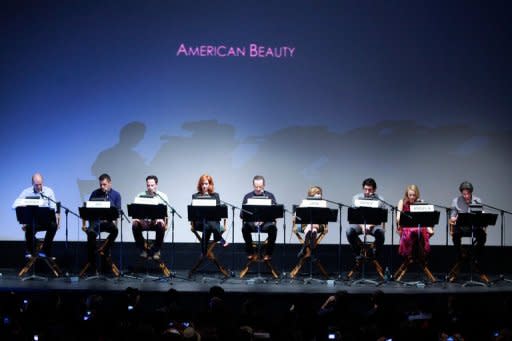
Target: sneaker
(156, 255)
(143, 254)
(28, 255)
(42, 254)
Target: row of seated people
(413, 240)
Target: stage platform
(412, 284)
(71, 258)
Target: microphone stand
(340, 206)
(502, 225)
(447, 209)
(173, 212)
(233, 208)
(122, 215)
(66, 211)
(283, 272)
(393, 210)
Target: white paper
(146, 201)
(367, 203)
(28, 202)
(259, 202)
(204, 202)
(97, 204)
(313, 203)
(422, 208)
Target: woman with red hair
(206, 190)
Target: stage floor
(201, 283)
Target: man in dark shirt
(106, 193)
(269, 227)
(461, 204)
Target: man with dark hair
(353, 232)
(269, 227)
(462, 204)
(105, 193)
(157, 225)
(48, 199)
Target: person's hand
(329, 301)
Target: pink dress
(409, 237)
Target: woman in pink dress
(410, 236)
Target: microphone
(420, 200)
(476, 201)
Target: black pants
(48, 237)
(268, 227)
(207, 229)
(353, 233)
(92, 234)
(479, 235)
(139, 227)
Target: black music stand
(421, 220)
(36, 216)
(367, 216)
(145, 211)
(320, 216)
(204, 214)
(474, 220)
(98, 214)
(264, 213)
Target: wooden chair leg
(246, 268)
(454, 272)
(84, 269)
(274, 272)
(28, 266)
(53, 266)
(322, 269)
(212, 258)
(483, 276)
(429, 274)
(196, 266)
(401, 270)
(378, 268)
(165, 270)
(220, 267)
(297, 267)
(356, 268)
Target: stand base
(418, 284)
(473, 283)
(312, 280)
(365, 281)
(34, 278)
(256, 280)
(96, 277)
